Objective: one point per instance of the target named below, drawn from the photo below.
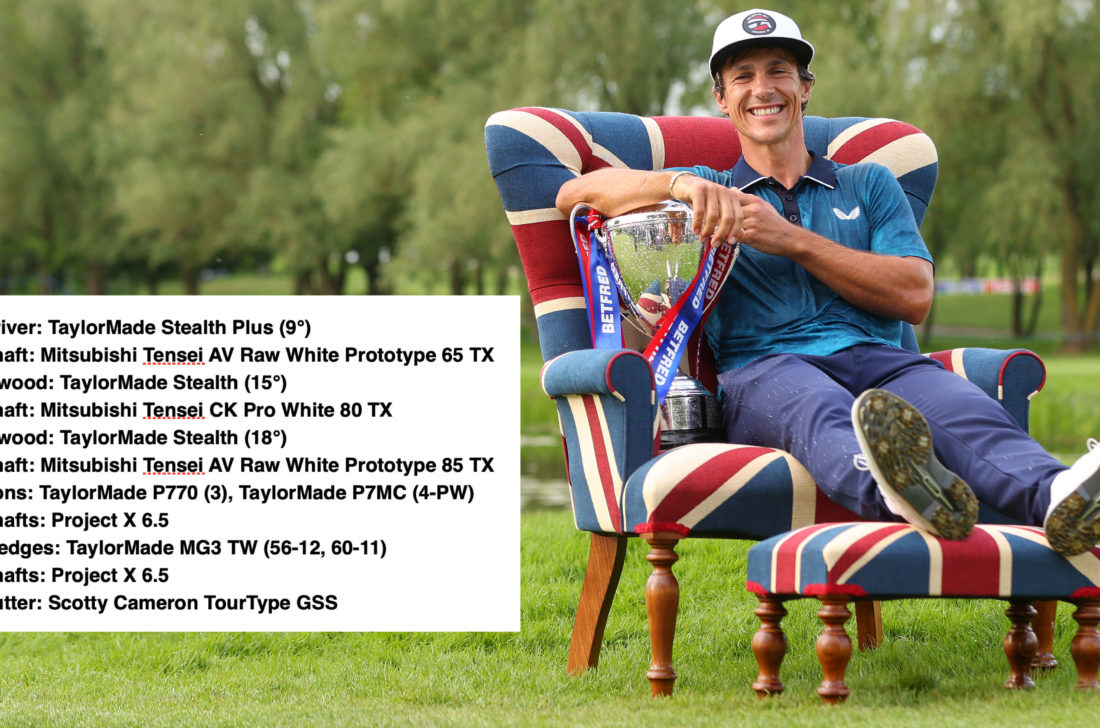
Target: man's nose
(762, 85)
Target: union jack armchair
(621, 486)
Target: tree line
(148, 140)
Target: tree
(54, 190)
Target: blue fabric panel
(918, 186)
(585, 372)
(1045, 573)
(624, 134)
(509, 149)
(563, 331)
(632, 378)
(532, 187)
(820, 131)
(1023, 375)
(760, 509)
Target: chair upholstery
(839, 562)
(895, 560)
(620, 485)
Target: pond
(542, 472)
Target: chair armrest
(608, 415)
(1010, 376)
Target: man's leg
(802, 404)
(789, 402)
(975, 437)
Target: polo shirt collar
(821, 171)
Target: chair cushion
(886, 560)
(732, 491)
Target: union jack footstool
(842, 562)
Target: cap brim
(802, 51)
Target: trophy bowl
(654, 255)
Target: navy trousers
(803, 404)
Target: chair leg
(769, 645)
(1043, 625)
(868, 624)
(834, 648)
(605, 564)
(662, 600)
(1020, 645)
(1085, 647)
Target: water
(543, 483)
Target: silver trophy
(655, 255)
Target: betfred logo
(759, 24)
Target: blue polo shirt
(772, 305)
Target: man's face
(763, 95)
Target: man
(807, 332)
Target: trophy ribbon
(690, 311)
(677, 325)
(603, 307)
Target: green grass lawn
(941, 664)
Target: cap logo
(759, 24)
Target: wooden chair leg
(834, 648)
(1020, 645)
(605, 564)
(1085, 647)
(662, 600)
(1043, 626)
(868, 624)
(769, 645)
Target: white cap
(756, 28)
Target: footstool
(842, 562)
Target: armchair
(621, 486)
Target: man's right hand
(717, 216)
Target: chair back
(533, 151)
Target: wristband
(672, 183)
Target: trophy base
(690, 413)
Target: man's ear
(807, 89)
(720, 98)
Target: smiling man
(807, 331)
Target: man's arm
(716, 213)
(885, 285)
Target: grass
(941, 664)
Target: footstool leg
(834, 648)
(1020, 645)
(1085, 647)
(1043, 624)
(769, 645)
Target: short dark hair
(804, 72)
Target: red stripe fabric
(785, 559)
(971, 566)
(567, 128)
(870, 140)
(826, 511)
(551, 268)
(699, 140)
(824, 590)
(606, 484)
(943, 357)
(698, 484)
(661, 527)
